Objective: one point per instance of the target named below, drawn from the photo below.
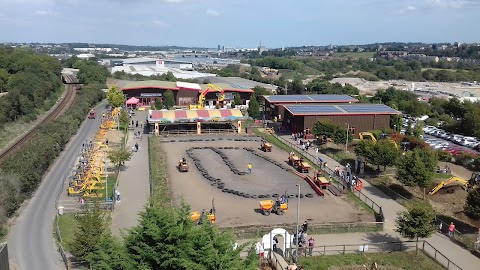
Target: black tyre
(242, 173)
(221, 187)
(260, 196)
(225, 190)
(246, 195)
(309, 195)
(214, 184)
(254, 196)
(275, 195)
(266, 213)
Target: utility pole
(346, 141)
(298, 222)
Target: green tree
(110, 255)
(166, 238)
(169, 99)
(472, 204)
(158, 104)
(237, 100)
(325, 128)
(340, 136)
(92, 227)
(124, 119)
(417, 131)
(3, 79)
(260, 91)
(253, 107)
(119, 156)
(417, 168)
(115, 97)
(297, 86)
(384, 153)
(417, 221)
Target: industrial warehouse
(359, 117)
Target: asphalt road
(30, 243)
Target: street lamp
(298, 221)
(346, 141)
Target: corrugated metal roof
(340, 109)
(150, 84)
(309, 98)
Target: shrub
(465, 159)
(444, 156)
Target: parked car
(441, 145)
(467, 141)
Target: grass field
(394, 260)
(68, 226)
(355, 54)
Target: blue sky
(239, 23)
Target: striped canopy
(189, 116)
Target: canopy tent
(190, 116)
(133, 101)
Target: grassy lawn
(355, 54)
(442, 176)
(67, 224)
(161, 195)
(111, 179)
(403, 260)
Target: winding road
(31, 244)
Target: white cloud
(44, 13)
(159, 23)
(211, 12)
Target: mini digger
(198, 217)
(279, 206)
(266, 146)
(183, 165)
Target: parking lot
(453, 143)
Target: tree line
(166, 238)
(22, 172)
(30, 79)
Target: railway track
(65, 103)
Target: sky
(239, 23)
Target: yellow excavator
(201, 98)
(451, 183)
(197, 217)
(368, 136)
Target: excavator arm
(448, 182)
(210, 88)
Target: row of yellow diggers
(89, 178)
(110, 119)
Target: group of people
(445, 169)
(137, 135)
(136, 125)
(296, 136)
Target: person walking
(316, 151)
(117, 195)
(451, 230)
(477, 242)
(311, 244)
(249, 167)
(136, 147)
(275, 242)
(305, 226)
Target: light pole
(298, 222)
(346, 141)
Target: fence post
(324, 252)
(343, 249)
(382, 247)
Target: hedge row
(29, 164)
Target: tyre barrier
(217, 182)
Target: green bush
(465, 159)
(444, 156)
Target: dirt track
(233, 210)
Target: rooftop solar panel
(332, 98)
(367, 108)
(298, 98)
(307, 109)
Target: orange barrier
(359, 185)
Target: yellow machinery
(368, 136)
(320, 180)
(293, 160)
(277, 206)
(201, 98)
(183, 165)
(198, 217)
(266, 146)
(270, 130)
(304, 167)
(451, 183)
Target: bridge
(69, 79)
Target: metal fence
(194, 132)
(338, 180)
(4, 265)
(257, 231)
(438, 256)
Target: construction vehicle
(269, 130)
(91, 114)
(368, 136)
(279, 206)
(321, 180)
(266, 146)
(294, 160)
(201, 98)
(210, 215)
(183, 165)
(451, 184)
(304, 167)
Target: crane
(474, 182)
(201, 98)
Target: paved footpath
(463, 258)
(133, 182)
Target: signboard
(151, 94)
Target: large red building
(185, 93)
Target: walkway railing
(4, 264)
(339, 182)
(257, 231)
